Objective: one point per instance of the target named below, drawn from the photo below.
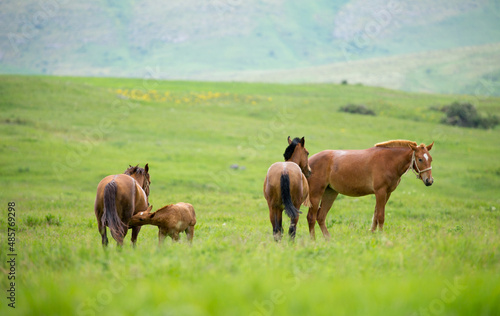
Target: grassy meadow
(439, 253)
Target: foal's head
(141, 176)
(296, 152)
(141, 218)
(422, 163)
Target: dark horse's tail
(290, 209)
(110, 215)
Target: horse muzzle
(429, 181)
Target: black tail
(110, 215)
(290, 209)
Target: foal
(285, 187)
(171, 220)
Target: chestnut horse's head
(141, 176)
(421, 162)
(296, 152)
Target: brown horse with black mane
(118, 198)
(376, 170)
(286, 187)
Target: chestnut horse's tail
(110, 215)
(286, 197)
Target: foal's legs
(381, 197)
(161, 236)
(175, 236)
(326, 203)
(190, 233)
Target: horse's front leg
(135, 233)
(312, 215)
(381, 197)
(326, 204)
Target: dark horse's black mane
(290, 149)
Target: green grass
(439, 253)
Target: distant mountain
(230, 39)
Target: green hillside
(200, 40)
(439, 252)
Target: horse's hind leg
(293, 227)
(104, 236)
(101, 228)
(326, 203)
(190, 233)
(135, 233)
(276, 218)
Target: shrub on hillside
(466, 115)
(357, 109)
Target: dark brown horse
(376, 170)
(286, 187)
(118, 198)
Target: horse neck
(141, 199)
(139, 179)
(295, 160)
(405, 160)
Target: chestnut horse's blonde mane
(396, 143)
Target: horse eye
(420, 160)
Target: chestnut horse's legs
(135, 232)
(326, 203)
(312, 215)
(381, 196)
(316, 191)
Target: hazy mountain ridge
(198, 39)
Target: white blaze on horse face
(141, 213)
(426, 157)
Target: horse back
(125, 192)
(272, 183)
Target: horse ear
(289, 141)
(412, 146)
(302, 141)
(429, 147)
(149, 208)
(146, 167)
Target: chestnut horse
(118, 198)
(286, 187)
(376, 170)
